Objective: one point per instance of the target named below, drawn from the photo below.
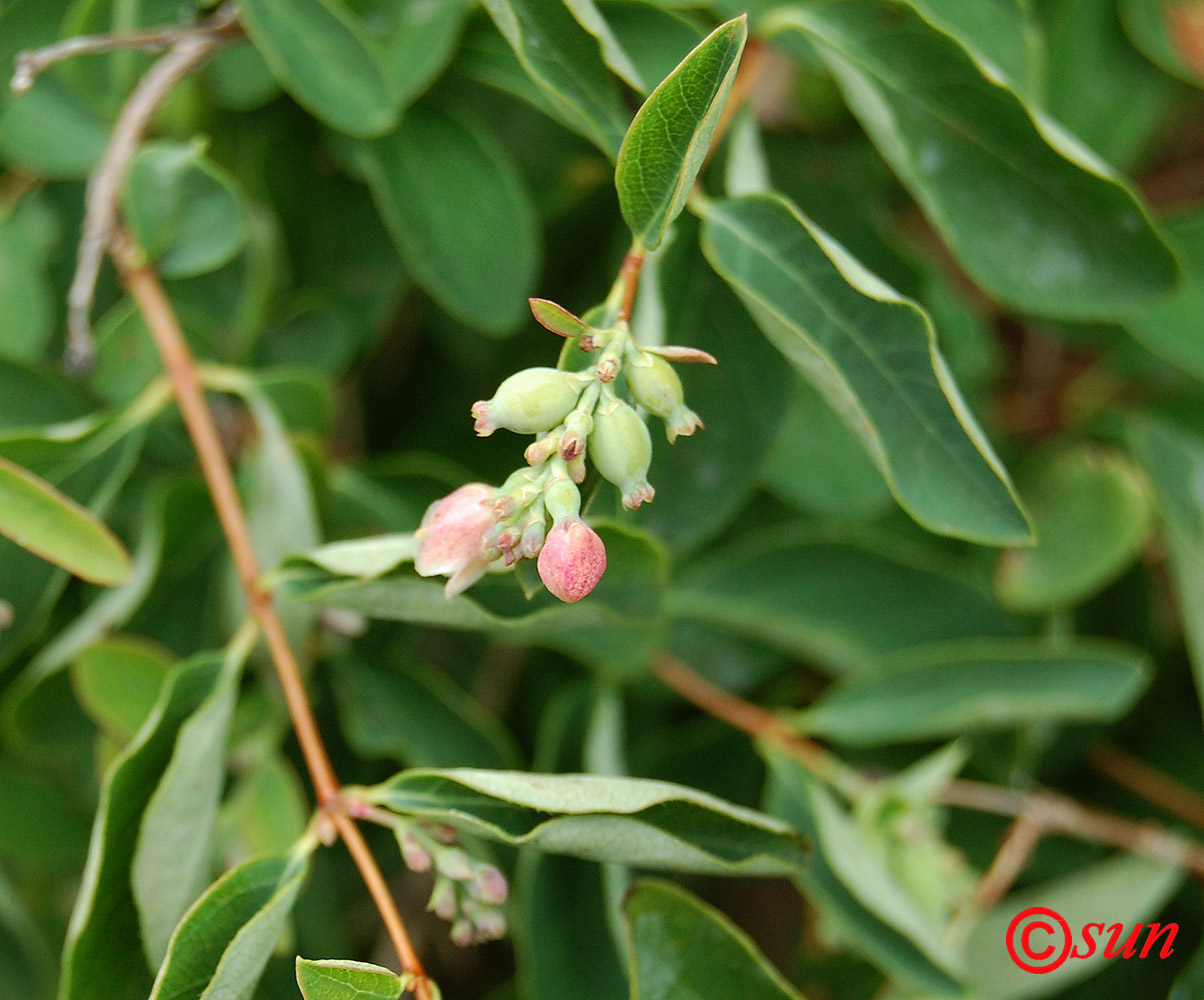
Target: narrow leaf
(343, 979)
(874, 355)
(680, 948)
(321, 56)
(220, 948)
(41, 519)
(965, 687)
(1035, 219)
(632, 821)
(590, 18)
(668, 141)
(564, 62)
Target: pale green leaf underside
(873, 354)
(679, 948)
(961, 687)
(632, 821)
(1035, 218)
(668, 141)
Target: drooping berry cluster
(576, 416)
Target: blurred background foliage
(349, 212)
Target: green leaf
(117, 682)
(221, 946)
(668, 141)
(1125, 889)
(366, 558)
(956, 688)
(1174, 464)
(172, 857)
(1033, 217)
(617, 627)
(564, 62)
(102, 957)
(653, 38)
(320, 54)
(998, 31)
(1170, 328)
(1092, 516)
(615, 56)
(417, 715)
(868, 909)
(267, 811)
(680, 949)
(418, 43)
(25, 967)
(450, 196)
(41, 519)
(342, 979)
(807, 592)
(184, 212)
(51, 133)
(1099, 87)
(874, 355)
(26, 298)
(703, 481)
(1167, 34)
(632, 821)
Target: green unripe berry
(621, 450)
(530, 401)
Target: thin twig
(1013, 857)
(147, 291)
(1050, 811)
(629, 279)
(1149, 783)
(31, 64)
(188, 50)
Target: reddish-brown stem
(1149, 783)
(629, 279)
(1047, 812)
(147, 291)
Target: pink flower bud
(572, 560)
(451, 535)
(443, 902)
(489, 885)
(415, 856)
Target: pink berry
(451, 536)
(572, 560)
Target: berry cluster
(575, 416)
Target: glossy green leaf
(342, 979)
(102, 957)
(417, 715)
(702, 481)
(613, 54)
(955, 688)
(874, 355)
(1000, 32)
(668, 141)
(1101, 89)
(451, 197)
(632, 821)
(616, 627)
(807, 593)
(172, 857)
(320, 54)
(117, 682)
(680, 948)
(1127, 889)
(1174, 464)
(182, 210)
(1035, 220)
(867, 908)
(653, 38)
(41, 519)
(1167, 34)
(564, 62)
(1170, 328)
(1092, 516)
(221, 946)
(366, 558)
(418, 42)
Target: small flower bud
(490, 925)
(540, 451)
(572, 560)
(451, 535)
(489, 885)
(533, 536)
(533, 400)
(453, 863)
(561, 499)
(577, 426)
(577, 469)
(417, 859)
(621, 449)
(462, 933)
(682, 422)
(443, 899)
